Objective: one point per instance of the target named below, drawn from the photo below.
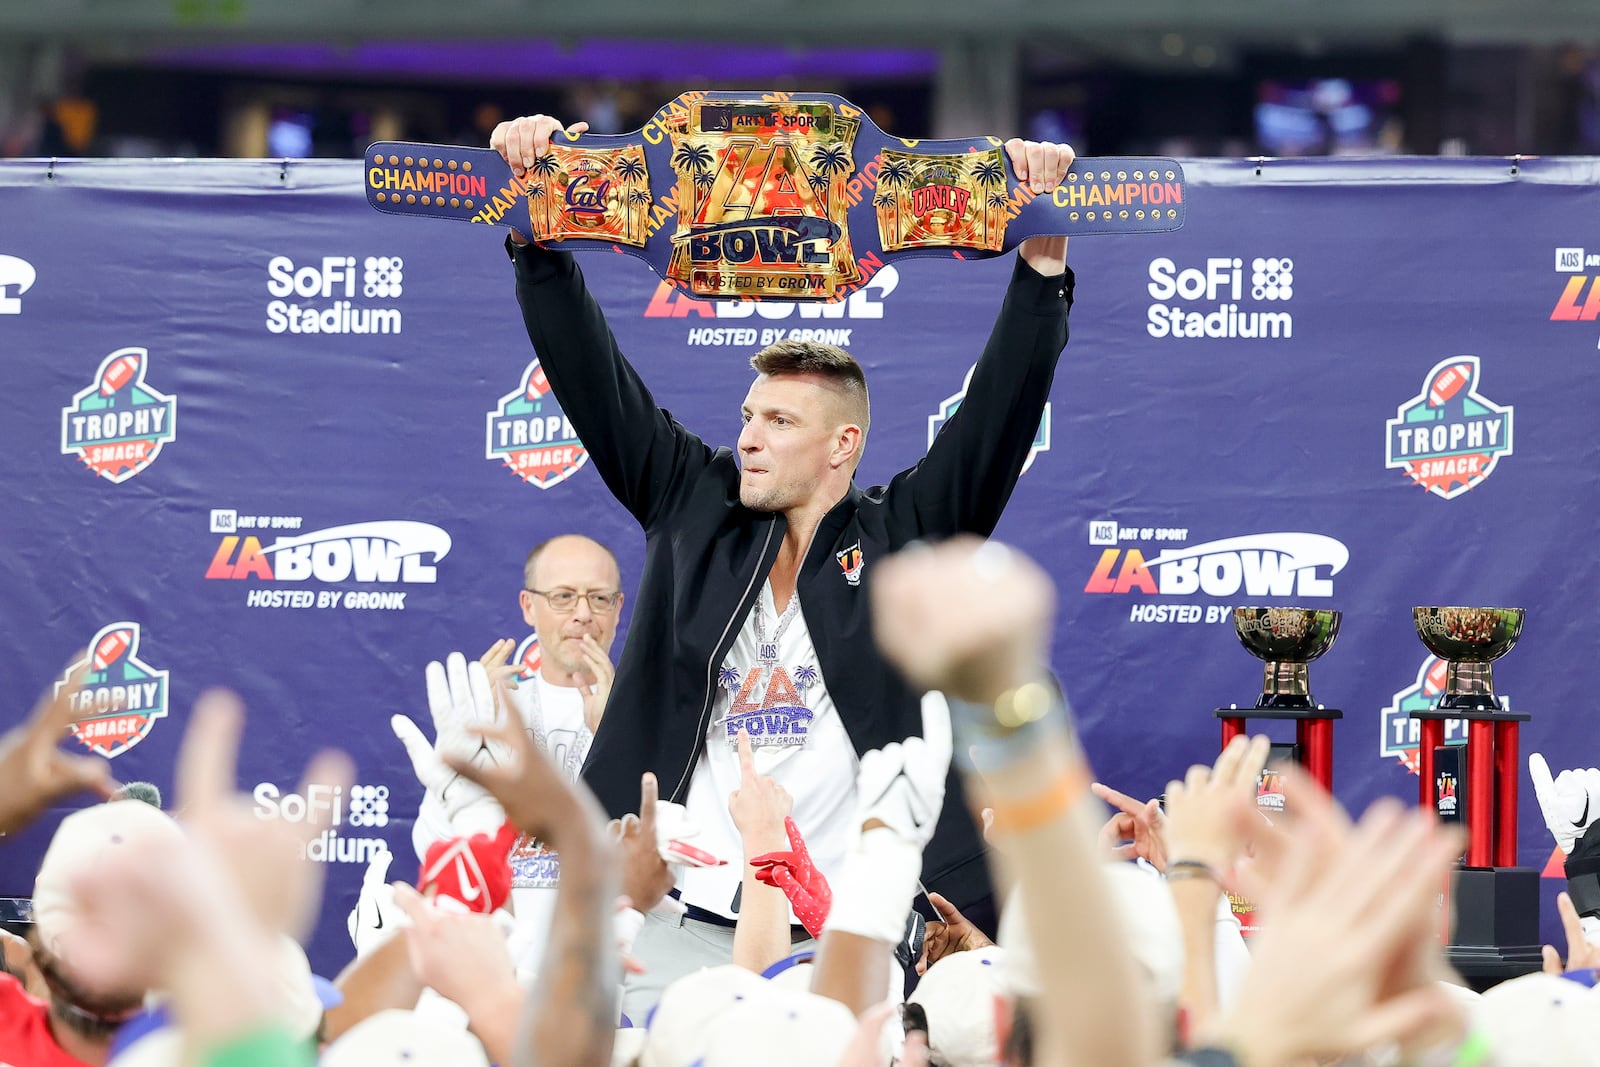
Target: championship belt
(777, 195)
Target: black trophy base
(1497, 924)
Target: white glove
(1570, 802)
(459, 695)
(376, 917)
(902, 783)
(674, 834)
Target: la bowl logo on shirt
(122, 695)
(767, 704)
(16, 277)
(1401, 734)
(119, 423)
(1449, 438)
(947, 408)
(530, 435)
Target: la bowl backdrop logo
(948, 407)
(118, 425)
(529, 434)
(1449, 438)
(122, 696)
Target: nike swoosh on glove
(902, 783)
(376, 917)
(1569, 802)
(475, 870)
(794, 873)
(459, 696)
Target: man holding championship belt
(751, 614)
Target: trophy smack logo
(529, 434)
(1399, 734)
(122, 695)
(1210, 300)
(948, 406)
(119, 423)
(1449, 437)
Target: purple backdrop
(1219, 435)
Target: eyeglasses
(564, 600)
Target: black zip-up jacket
(706, 554)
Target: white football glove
(459, 695)
(375, 918)
(902, 783)
(1570, 802)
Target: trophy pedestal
(1313, 734)
(1497, 924)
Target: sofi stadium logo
(1401, 734)
(334, 295)
(122, 695)
(1258, 566)
(948, 407)
(1216, 298)
(530, 435)
(399, 552)
(363, 807)
(1449, 437)
(118, 424)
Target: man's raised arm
(641, 452)
(963, 483)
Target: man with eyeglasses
(572, 597)
(751, 614)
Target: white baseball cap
(1148, 918)
(398, 1038)
(678, 1026)
(1537, 1020)
(960, 994)
(788, 1029)
(85, 843)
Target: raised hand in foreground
(34, 771)
(570, 1016)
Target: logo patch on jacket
(850, 561)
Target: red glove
(474, 871)
(795, 874)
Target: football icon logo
(1447, 383)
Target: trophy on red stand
(1287, 639)
(1496, 902)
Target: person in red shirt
(28, 1038)
(76, 1023)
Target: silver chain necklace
(767, 651)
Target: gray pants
(672, 947)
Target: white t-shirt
(798, 740)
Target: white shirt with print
(803, 746)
